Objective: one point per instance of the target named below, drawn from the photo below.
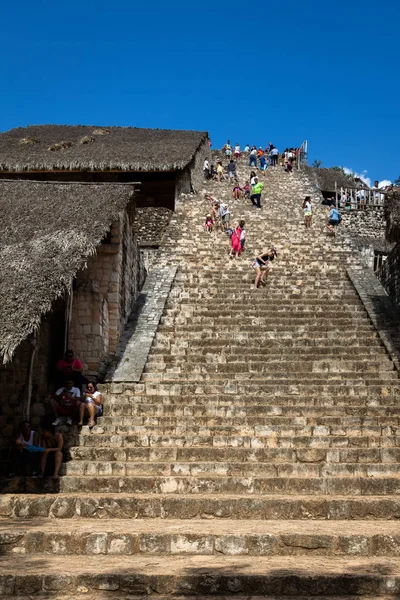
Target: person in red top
(70, 367)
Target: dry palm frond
(60, 146)
(49, 232)
(86, 139)
(115, 148)
(28, 140)
(101, 131)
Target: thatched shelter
(166, 162)
(325, 179)
(392, 215)
(47, 233)
(91, 148)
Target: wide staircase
(259, 453)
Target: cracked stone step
(231, 469)
(255, 486)
(237, 455)
(142, 506)
(273, 440)
(192, 575)
(251, 421)
(142, 410)
(283, 429)
(125, 537)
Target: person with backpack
(334, 220)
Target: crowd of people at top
(76, 400)
(258, 158)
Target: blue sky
(253, 72)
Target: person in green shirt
(256, 195)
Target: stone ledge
(137, 338)
(381, 309)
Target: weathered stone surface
(250, 443)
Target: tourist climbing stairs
(259, 453)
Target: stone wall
(191, 179)
(369, 223)
(389, 274)
(105, 294)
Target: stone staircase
(259, 453)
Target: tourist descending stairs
(259, 453)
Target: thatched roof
(47, 230)
(325, 179)
(392, 214)
(83, 147)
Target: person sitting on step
(246, 189)
(53, 444)
(22, 460)
(237, 192)
(66, 402)
(92, 404)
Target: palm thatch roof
(325, 179)
(392, 214)
(90, 148)
(47, 231)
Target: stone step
(302, 347)
(166, 396)
(188, 422)
(229, 469)
(207, 484)
(196, 311)
(271, 339)
(333, 387)
(308, 326)
(351, 303)
(289, 408)
(272, 349)
(370, 439)
(294, 296)
(248, 456)
(216, 375)
(199, 506)
(333, 427)
(296, 576)
(303, 332)
(124, 537)
(270, 366)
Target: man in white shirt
(376, 193)
(253, 157)
(66, 403)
